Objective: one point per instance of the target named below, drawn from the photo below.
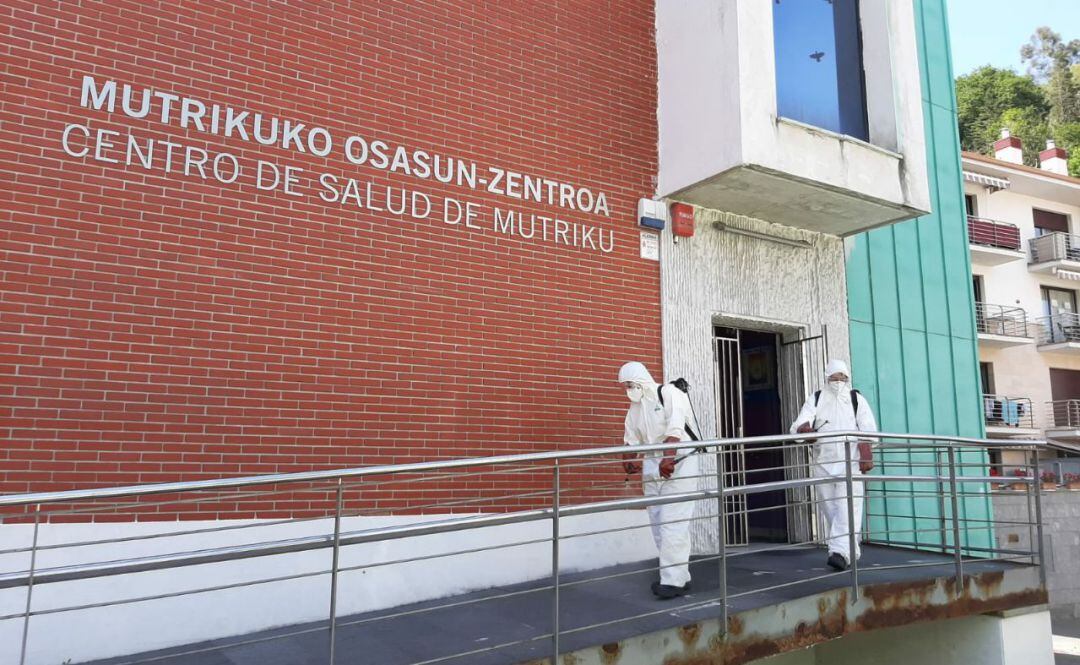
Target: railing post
(850, 481)
(1037, 482)
(721, 537)
(30, 584)
(555, 564)
(954, 501)
(334, 571)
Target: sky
(992, 31)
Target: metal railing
(1001, 320)
(1064, 413)
(1055, 247)
(992, 233)
(1001, 411)
(541, 489)
(1059, 328)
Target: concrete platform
(489, 627)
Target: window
(1058, 301)
(986, 374)
(969, 205)
(819, 68)
(977, 288)
(1050, 222)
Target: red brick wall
(160, 326)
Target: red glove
(631, 467)
(866, 457)
(667, 467)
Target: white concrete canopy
(984, 255)
(723, 145)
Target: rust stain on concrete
(886, 606)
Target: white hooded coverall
(836, 411)
(649, 422)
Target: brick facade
(158, 325)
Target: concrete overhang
(1062, 269)
(983, 255)
(803, 622)
(1003, 341)
(1005, 432)
(783, 198)
(1064, 434)
(1061, 347)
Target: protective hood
(636, 372)
(841, 392)
(835, 366)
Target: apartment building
(1023, 226)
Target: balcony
(1056, 255)
(1060, 332)
(1001, 327)
(992, 242)
(725, 144)
(1064, 421)
(1008, 417)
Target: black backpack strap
(817, 397)
(855, 402)
(686, 426)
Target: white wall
(1022, 371)
(124, 629)
(747, 282)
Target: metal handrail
(444, 465)
(992, 233)
(1002, 411)
(946, 474)
(1064, 413)
(1059, 328)
(1001, 320)
(1055, 246)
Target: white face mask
(837, 386)
(634, 393)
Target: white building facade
(1022, 225)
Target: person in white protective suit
(838, 407)
(670, 471)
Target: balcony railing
(1001, 320)
(992, 233)
(1059, 329)
(1064, 413)
(1055, 247)
(1001, 411)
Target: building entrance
(762, 379)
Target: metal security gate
(729, 424)
(802, 371)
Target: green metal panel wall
(913, 342)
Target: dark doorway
(762, 417)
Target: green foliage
(984, 95)
(1040, 105)
(1046, 53)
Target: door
(802, 371)
(1059, 305)
(729, 425)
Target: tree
(984, 95)
(1051, 61)
(1046, 51)
(1068, 136)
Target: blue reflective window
(819, 73)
